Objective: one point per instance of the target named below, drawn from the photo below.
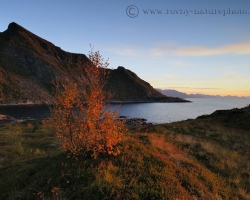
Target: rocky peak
(29, 64)
(16, 30)
(120, 68)
(14, 27)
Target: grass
(26, 140)
(193, 159)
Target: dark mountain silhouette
(176, 93)
(28, 65)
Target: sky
(193, 46)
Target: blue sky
(190, 52)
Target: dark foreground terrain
(205, 158)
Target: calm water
(170, 112)
(23, 112)
(153, 112)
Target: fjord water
(171, 112)
(153, 112)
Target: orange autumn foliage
(83, 122)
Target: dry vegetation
(83, 122)
(193, 159)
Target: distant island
(175, 93)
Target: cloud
(233, 49)
(172, 87)
(231, 79)
(171, 48)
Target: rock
(122, 117)
(133, 121)
(4, 119)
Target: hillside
(206, 158)
(29, 63)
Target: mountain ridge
(29, 63)
(171, 92)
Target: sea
(153, 112)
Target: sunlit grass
(193, 159)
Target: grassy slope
(206, 158)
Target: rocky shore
(112, 101)
(150, 100)
(31, 103)
(134, 121)
(4, 119)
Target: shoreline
(138, 101)
(108, 102)
(25, 104)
